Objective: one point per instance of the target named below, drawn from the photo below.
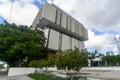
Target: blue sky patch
(38, 4)
(1, 20)
(112, 32)
(109, 32)
(12, 0)
(97, 32)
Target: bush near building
(37, 76)
(20, 45)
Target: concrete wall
(72, 25)
(20, 71)
(81, 45)
(50, 69)
(68, 23)
(59, 17)
(65, 42)
(63, 20)
(74, 43)
(80, 29)
(49, 12)
(77, 27)
(53, 41)
(57, 41)
(60, 22)
(23, 71)
(101, 68)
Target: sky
(100, 17)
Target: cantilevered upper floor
(53, 17)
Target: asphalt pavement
(20, 77)
(3, 76)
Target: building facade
(117, 40)
(110, 53)
(62, 30)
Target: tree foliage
(92, 55)
(1, 66)
(38, 63)
(46, 62)
(112, 60)
(72, 59)
(18, 43)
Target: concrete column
(64, 20)
(53, 40)
(65, 42)
(73, 25)
(58, 17)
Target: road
(3, 77)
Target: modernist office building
(62, 31)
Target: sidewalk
(20, 77)
(112, 75)
(3, 75)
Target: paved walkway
(112, 75)
(20, 77)
(102, 74)
(3, 77)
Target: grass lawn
(37, 76)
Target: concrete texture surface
(108, 75)
(20, 77)
(3, 77)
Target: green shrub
(37, 76)
(38, 63)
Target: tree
(92, 56)
(18, 43)
(111, 60)
(49, 61)
(38, 63)
(1, 66)
(118, 59)
(71, 60)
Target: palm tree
(92, 55)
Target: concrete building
(110, 53)
(62, 30)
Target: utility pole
(11, 8)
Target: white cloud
(4, 1)
(102, 16)
(23, 11)
(25, 1)
(105, 16)
(50, 1)
(104, 42)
